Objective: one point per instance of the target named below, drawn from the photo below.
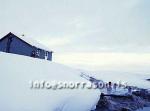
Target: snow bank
(15, 73)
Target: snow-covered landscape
(16, 95)
(75, 55)
(128, 78)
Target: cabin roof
(29, 41)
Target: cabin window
(38, 52)
(46, 55)
(33, 54)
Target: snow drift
(15, 73)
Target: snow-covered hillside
(128, 78)
(15, 94)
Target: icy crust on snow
(16, 95)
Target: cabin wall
(42, 54)
(50, 56)
(19, 47)
(3, 45)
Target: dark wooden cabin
(24, 46)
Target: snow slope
(15, 95)
(129, 78)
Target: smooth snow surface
(15, 95)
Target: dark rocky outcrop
(132, 102)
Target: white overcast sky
(88, 34)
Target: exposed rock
(148, 79)
(137, 100)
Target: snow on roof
(32, 42)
